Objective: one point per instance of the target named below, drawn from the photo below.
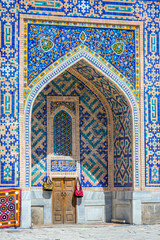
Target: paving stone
(87, 232)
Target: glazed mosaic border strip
(84, 7)
(63, 166)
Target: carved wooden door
(64, 202)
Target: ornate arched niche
(104, 157)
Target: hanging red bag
(78, 193)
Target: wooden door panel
(68, 183)
(69, 219)
(57, 202)
(69, 202)
(57, 184)
(64, 202)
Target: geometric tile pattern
(93, 131)
(93, 141)
(122, 124)
(47, 43)
(9, 156)
(130, 10)
(152, 91)
(39, 141)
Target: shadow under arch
(117, 81)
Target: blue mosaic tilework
(149, 11)
(137, 10)
(93, 141)
(122, 124)
(9, 156)
(39, 141)
(47, 43)
(63, 166)
(9, 131)
(8, 100)
(9, 106)
(117, 47)
(82, 8)
(93, 132)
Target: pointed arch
(113, 78)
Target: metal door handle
(63, 194)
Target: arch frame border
(140, 173)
